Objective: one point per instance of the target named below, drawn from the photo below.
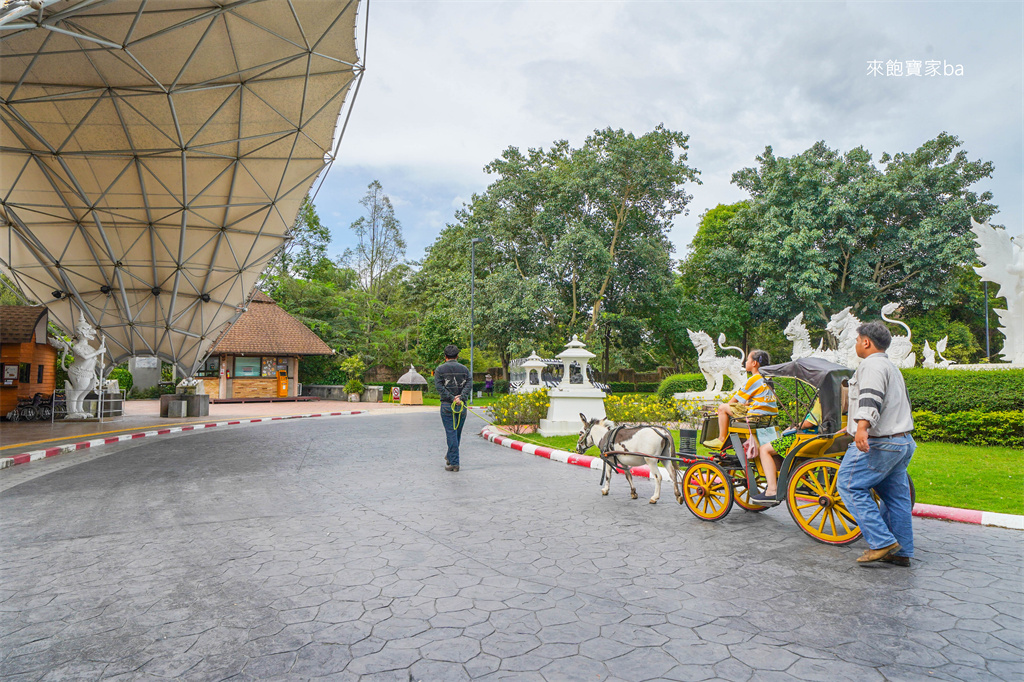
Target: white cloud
(450, 85)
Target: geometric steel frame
(154, 154)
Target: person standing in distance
(454, 385)
(880, 422)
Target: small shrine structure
(534, 367)
(412, 385)
(574, 395)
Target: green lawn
(965, 476)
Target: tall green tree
(832, 230)
(305, 253)
(629, 188)
(380, 246)
(587, 225)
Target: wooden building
(27, 362)
(259, 356)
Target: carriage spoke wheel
(814, 503)
(707, 492)
(740, 492)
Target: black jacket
(452, 379)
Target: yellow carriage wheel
(707, 491)
(740, 492)
(814, 503)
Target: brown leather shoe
(451, 467)
(872, 555)
(896, 560)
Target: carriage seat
(839, 445)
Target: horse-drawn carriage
(709, 485)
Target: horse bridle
(581, 444)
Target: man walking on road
(454, 385)
(880, 422)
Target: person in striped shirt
(755, 398)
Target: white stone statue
(1003, 258)
(715, 367)
(83, 375)
(901, 350)
(929, 355)
(797, 332)
(843, 325)
(199, 388)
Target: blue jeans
(882, 468)
(451, 433)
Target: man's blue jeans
(452, 434)
(882, 468)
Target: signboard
(396, 393)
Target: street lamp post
(472, 301)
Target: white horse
(650, 441)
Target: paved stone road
(339, 548)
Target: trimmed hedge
(629, 387)
(971, 427)
(946, 391)
(681, 383)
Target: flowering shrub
(519, 408)
(643, 407)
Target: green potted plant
(354, 388)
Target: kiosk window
(247, 367)
(24, 372)
(39, 375)
(210, 368)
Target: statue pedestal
(987, 366)
(566, 406)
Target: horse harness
(610, 439)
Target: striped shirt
(758, 396)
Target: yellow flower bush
(646, 408)
(519, 408)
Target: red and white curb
(928, 511)
(26, 457)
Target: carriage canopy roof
(827, 377)
(154, 154)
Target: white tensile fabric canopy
(154, 153)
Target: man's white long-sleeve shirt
(878, 394)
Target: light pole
(988, 353)
(472, 301)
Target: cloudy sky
(450, 85)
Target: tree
(630, 187)
(381, 246)
(509, 308)
(588, 226)
(830, 230)
(305, 253)
(714, 279)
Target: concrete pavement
(339, 548)
(141, 415)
